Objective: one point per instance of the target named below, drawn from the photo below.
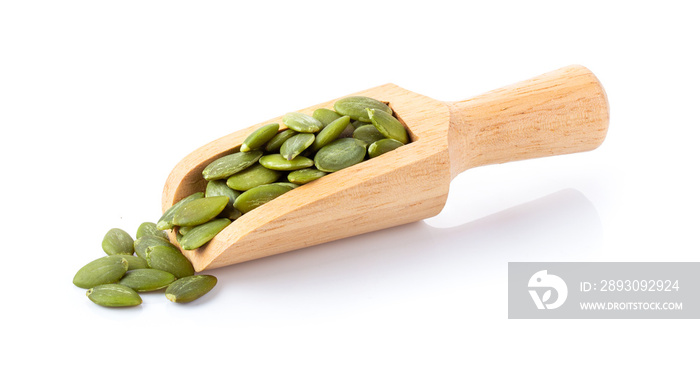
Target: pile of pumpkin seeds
(117, 279)
(271, 163)
(268, 164)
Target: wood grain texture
(564, 111)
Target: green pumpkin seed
(331, 132)
(277, 162)
(101, 271)
(260, 195)
(275, 144)
(354, 107)
(135, 262)
(199, 211)
(389, 126)
(325, 116)
(147, 280)
(340, 154)
(380, 147)
(227, 166)
(113, 295)
(219, 188)
(302, 123)
(295, 145)
(143, 243)
(190, 288)
(303, 176)
(368, 133)
(169, 260)
(166, 221)
(255, 175)
(201, 234)
(149, 229)
(259, 137)
(117, 241)
(184, 229)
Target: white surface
(99, 100)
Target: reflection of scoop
(542, 280)
(560, 112)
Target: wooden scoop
(564, 111)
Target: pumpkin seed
(354, 107)
(135, 262)
(277, 162)
(259, 137)
(255, 175)
(147, 280)
(340, 154)
(389, 126)
(302, 123)
(226, 166)
(275, 144)
(380, 147)
(303, 176)
(325, 116)
(113, 295)
(295, 145)
(166, 221)
(190, 288)
(184, 229)
(143, 243)
(368, 133)
(149, 229)
(200, 211)
(219, 188)
(260, 195)
(201, 234)
(101, 271)
(169, 260)
(331, 132)
(117, 241)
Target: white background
(99, 100)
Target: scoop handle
(560, 112)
